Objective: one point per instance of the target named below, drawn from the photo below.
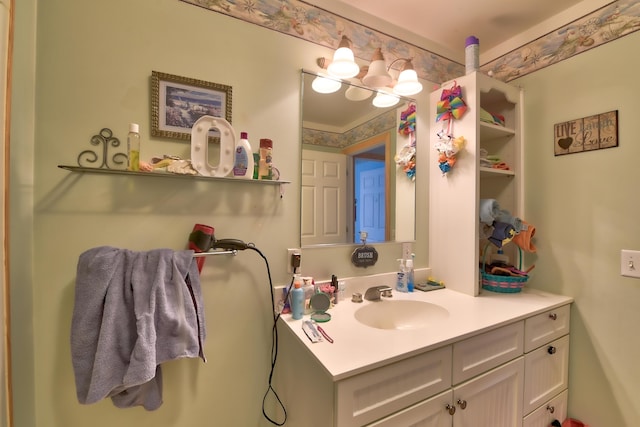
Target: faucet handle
(386, 292)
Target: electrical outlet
(630, 263)
(290, 255)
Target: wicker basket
(502, 284)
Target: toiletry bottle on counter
(297, 300)
(133, 147)
(243, 158)
(309, 289)
(265, 166)
(471, 54)
(401, 278)
(409, 272)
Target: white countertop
(358, 348)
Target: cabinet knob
(553, 316)
(551, 350)
(462, 403)
(451, 409)
(551, 409)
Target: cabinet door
(555, 409)
(491, 400)
(547, 373)
(429, 413)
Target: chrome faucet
(374, 293)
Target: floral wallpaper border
(339, 141)
(610, 22)
(319, 26)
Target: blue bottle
(409, 272)
(297, 300)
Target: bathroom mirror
(351, 182)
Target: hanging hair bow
(451, 105)
(408, 120)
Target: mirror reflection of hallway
(369, 200)
(370, 161)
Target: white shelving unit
(454, 238)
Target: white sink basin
(400, 314)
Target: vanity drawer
(431, 412)
(373, 395)
(483, 352)
(554, 409)
(546, 327)
(546, 373)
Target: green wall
(82, 66)
(585, 208)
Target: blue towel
(132, 312)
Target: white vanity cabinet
(486, 379)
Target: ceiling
(448, 24)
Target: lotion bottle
(401, 278)
(133, 147)
(243, 158)
(297, 300)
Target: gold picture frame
(177, 102)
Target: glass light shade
(323, 84)
(355, 93)
(407, 84)
(377, 76)
(384, 98)
(343, 65)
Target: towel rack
(224, 252)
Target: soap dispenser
(401, 279)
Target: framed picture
(177, 102)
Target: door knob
(451, 409)
(553, 316)
(462, 403)
(551, 350)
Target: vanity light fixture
(355, 92)
(325, 84)
(377, 76)
(407, 83)
(385, 98)
(343, 65)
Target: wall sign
(364, 256)
(586, 134)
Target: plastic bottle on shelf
(133, 147)
(409, 272)
(401, 277)
(265, 163)
(256, 162)
(297, 300)
(243, 158)
(471, 54)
